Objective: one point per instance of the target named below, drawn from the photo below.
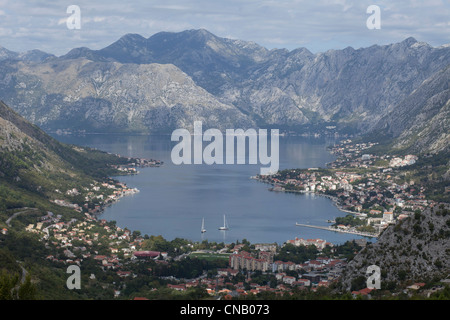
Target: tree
(27, 291)
(136, 233)
(7, 284)
(358, 283)
(11, 290)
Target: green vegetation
(42, 281)
(33, 268)
(296, 254)
(174, 247)
(210, 256)
(349, 220)
(34, 169)
(189, 267)
(347, 250)
(11, 288)
(430, 171)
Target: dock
(363, 234)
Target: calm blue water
(173, 199)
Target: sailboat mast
(225, 227)
(203, 226)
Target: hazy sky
(318, 25)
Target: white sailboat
(225, 226)
(203, 230)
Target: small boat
(225, 226)
(203, 230)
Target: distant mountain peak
(409, 41)
(127, 41)
(7, 54)
(35, 55)
(203, 32)
(412, 42)
(131, 37)
(81, 52)
(186, 33)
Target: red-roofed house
(146, 254)
(362, 292)
(302, 282)
(178, 287)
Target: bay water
(173, 199)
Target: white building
(288, 279)
(388, 217)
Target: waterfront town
(124, 262)
(244, 270)
(368, 188)
(128, 265)
(95, 197)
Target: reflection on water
(173, 199)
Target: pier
(363, 234)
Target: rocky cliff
(82, 95)
(415, 249)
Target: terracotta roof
(363, 292)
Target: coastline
(103, 208)
(329, 228)
(124, 170)
(333, 199)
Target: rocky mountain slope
(139, 84)
(80, 94)
(211, 61)
(31, 55)
(349, 87)
(33, 165)
(35, 171)
(413, 250)
(421, 122)
(287, 88)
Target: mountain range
(168, 80)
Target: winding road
(23, 210)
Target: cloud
(172, 7)
(62, 21)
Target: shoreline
(98, 214)
(333, 199)
(329, 228)
(124, 171)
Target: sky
(318, 25)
